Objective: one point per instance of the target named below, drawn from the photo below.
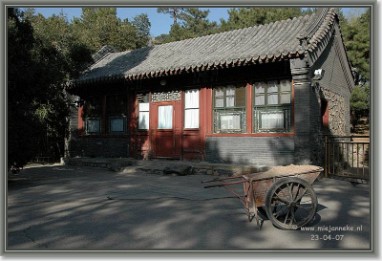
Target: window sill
(191, 129)
(267, 134)
(107, 135)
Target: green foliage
(22, 123)
(42, 111)
(359, 103)
(177, 33)
(173, 12)
(356, 34)
(193, 22)
(43, 55)
(359, 100)
(54, 35)
(247, 17)
(98, 27)
(142, 25)
(196, 22)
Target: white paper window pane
(191, 118)
(144, 106)
(285, 85)
(272, 86)
(273, 98)
(260, 100)
(143, 120)
(272, 120)
(165, 117)
(230, 92)
(219, 93)
(230, 122)
(219, 102)
(260, 87)
(93, 125)
(285, 98)
(230, 101)
(117, 125)
(192, 99)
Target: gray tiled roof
(258, 44)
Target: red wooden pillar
(325, 113)
(80, 121)
(104, 118)
(207, 112)
(249, 108)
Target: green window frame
(117, 124)
(272, 110)
(93, 125)
(229, 109)
(116, 110)
(92, 115)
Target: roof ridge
(321, 28)
(103, 52)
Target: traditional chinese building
(259, 95)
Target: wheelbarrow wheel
(291, 203)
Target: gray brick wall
(267, 151)
(335, 84)
(99, 147)
(306, 111)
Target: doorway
(166, 131)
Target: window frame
(225, 110)
(117, 117)
(92, 118)
(112, 112)
(191, 108)
(267, 108)
(161, 125)
(143, 98)
(92, 111)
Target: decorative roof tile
(262, 43)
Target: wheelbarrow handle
(221, 179)
(225, 184)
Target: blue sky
(160, 23)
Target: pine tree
(247, 17)
(189, 23)
(356, 34)
(98, 27)
(173, 12)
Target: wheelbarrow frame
(261, 189)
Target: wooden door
(166, 129)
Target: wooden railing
(347, 156)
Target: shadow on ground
(70, 208)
